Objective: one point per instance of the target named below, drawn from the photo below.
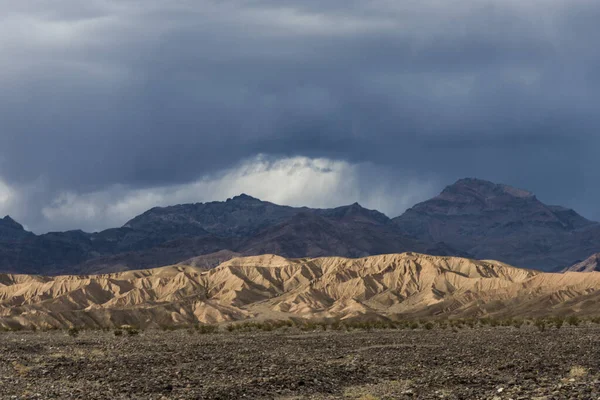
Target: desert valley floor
(467, 363)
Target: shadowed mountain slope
(405, 285)
(243, 225)
(500, 222)
(472, 218)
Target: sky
(110, 107)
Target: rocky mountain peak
(471, 196)
(244, 198)
(11, 230)
(480, 188)
(8, 222)
(357, 212)
(496, 221)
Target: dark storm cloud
(146, 93)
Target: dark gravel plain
(481, 363)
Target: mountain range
(395, 286)
(470, 218)
(492, 221)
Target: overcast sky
(110, 107)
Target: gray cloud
(144, 95)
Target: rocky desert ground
(484, 362)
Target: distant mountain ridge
(240, 216)
(492, 221)
(471, 218)
(241, 225)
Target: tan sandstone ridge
(591, 264)
(392, 286)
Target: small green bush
(336, 326)
(517, 323)
(118, 332)
(168, 328)
(73, 332)
(207, 329)
(540, 324)
(558, 322)
(131, 331)
(309, 326)
(573, 320)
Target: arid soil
(481, 363)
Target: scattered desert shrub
(578, 371)
(132, 331)
(507, 322)
(168, 328)
(283, 324)
(337, 326)
(457, 323)
(309, 326)
(73, 332)
(383, 325)
(558, 322)
(118, 332)
(368, 397)
(540, 324)
(517, 323)
(241, 327)
(573, 320)
(207, 329)
(401, 325)
(266, 326)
